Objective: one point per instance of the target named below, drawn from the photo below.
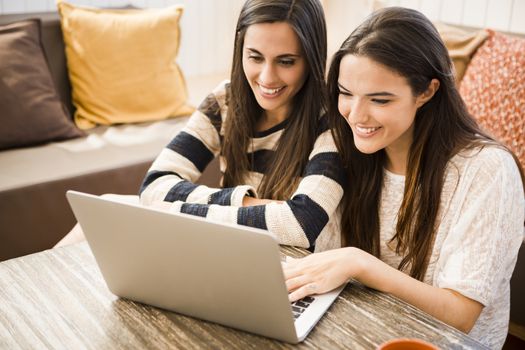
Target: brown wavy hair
(406, 42)
(306, 17)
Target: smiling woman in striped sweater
(280, 168)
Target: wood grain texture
(57, 299)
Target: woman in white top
(434, 213)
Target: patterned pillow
(494, 90)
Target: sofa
(490, 72)
(34, 213)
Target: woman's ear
(428, 93)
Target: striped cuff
(239, 193)
(176, 206)
(232, 196)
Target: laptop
(227, 274)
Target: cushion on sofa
(461, 44)
(494, 90)
(112, 159)
(122, 64)
(31, 110)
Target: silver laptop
(228, 274)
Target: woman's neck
(269, 120)
(397, 153)
(397, 158)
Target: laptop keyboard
(299, 306)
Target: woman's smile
(268, 92)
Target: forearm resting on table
(446, 305)
(76, 234)
(252, 201)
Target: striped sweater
(299, 221)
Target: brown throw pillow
(30, 110)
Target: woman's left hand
(320, 272)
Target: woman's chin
(366, 149)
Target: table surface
(58, 299)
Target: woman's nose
(267, 75)
(357, 112)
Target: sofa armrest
(517, 301)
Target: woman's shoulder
(489, 155)
(221, 92)
(222, 89)
(487, 161)
(216, 101)
(324, 141)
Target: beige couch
(34, 214)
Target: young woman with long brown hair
(280, 166)
(434, 213)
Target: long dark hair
(306, 17)
(406, 42)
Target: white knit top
(480, 231)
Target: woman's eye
(344, 93)
(380, 101)
(287, 62)
(255, 58)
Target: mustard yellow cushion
(122, 64)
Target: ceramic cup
(407, 344)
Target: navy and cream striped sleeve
(173, 174)
(299, 220)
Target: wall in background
(502, 15)
(20, 6)
(208, 25)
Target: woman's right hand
(321, 272)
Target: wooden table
(57, 299)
